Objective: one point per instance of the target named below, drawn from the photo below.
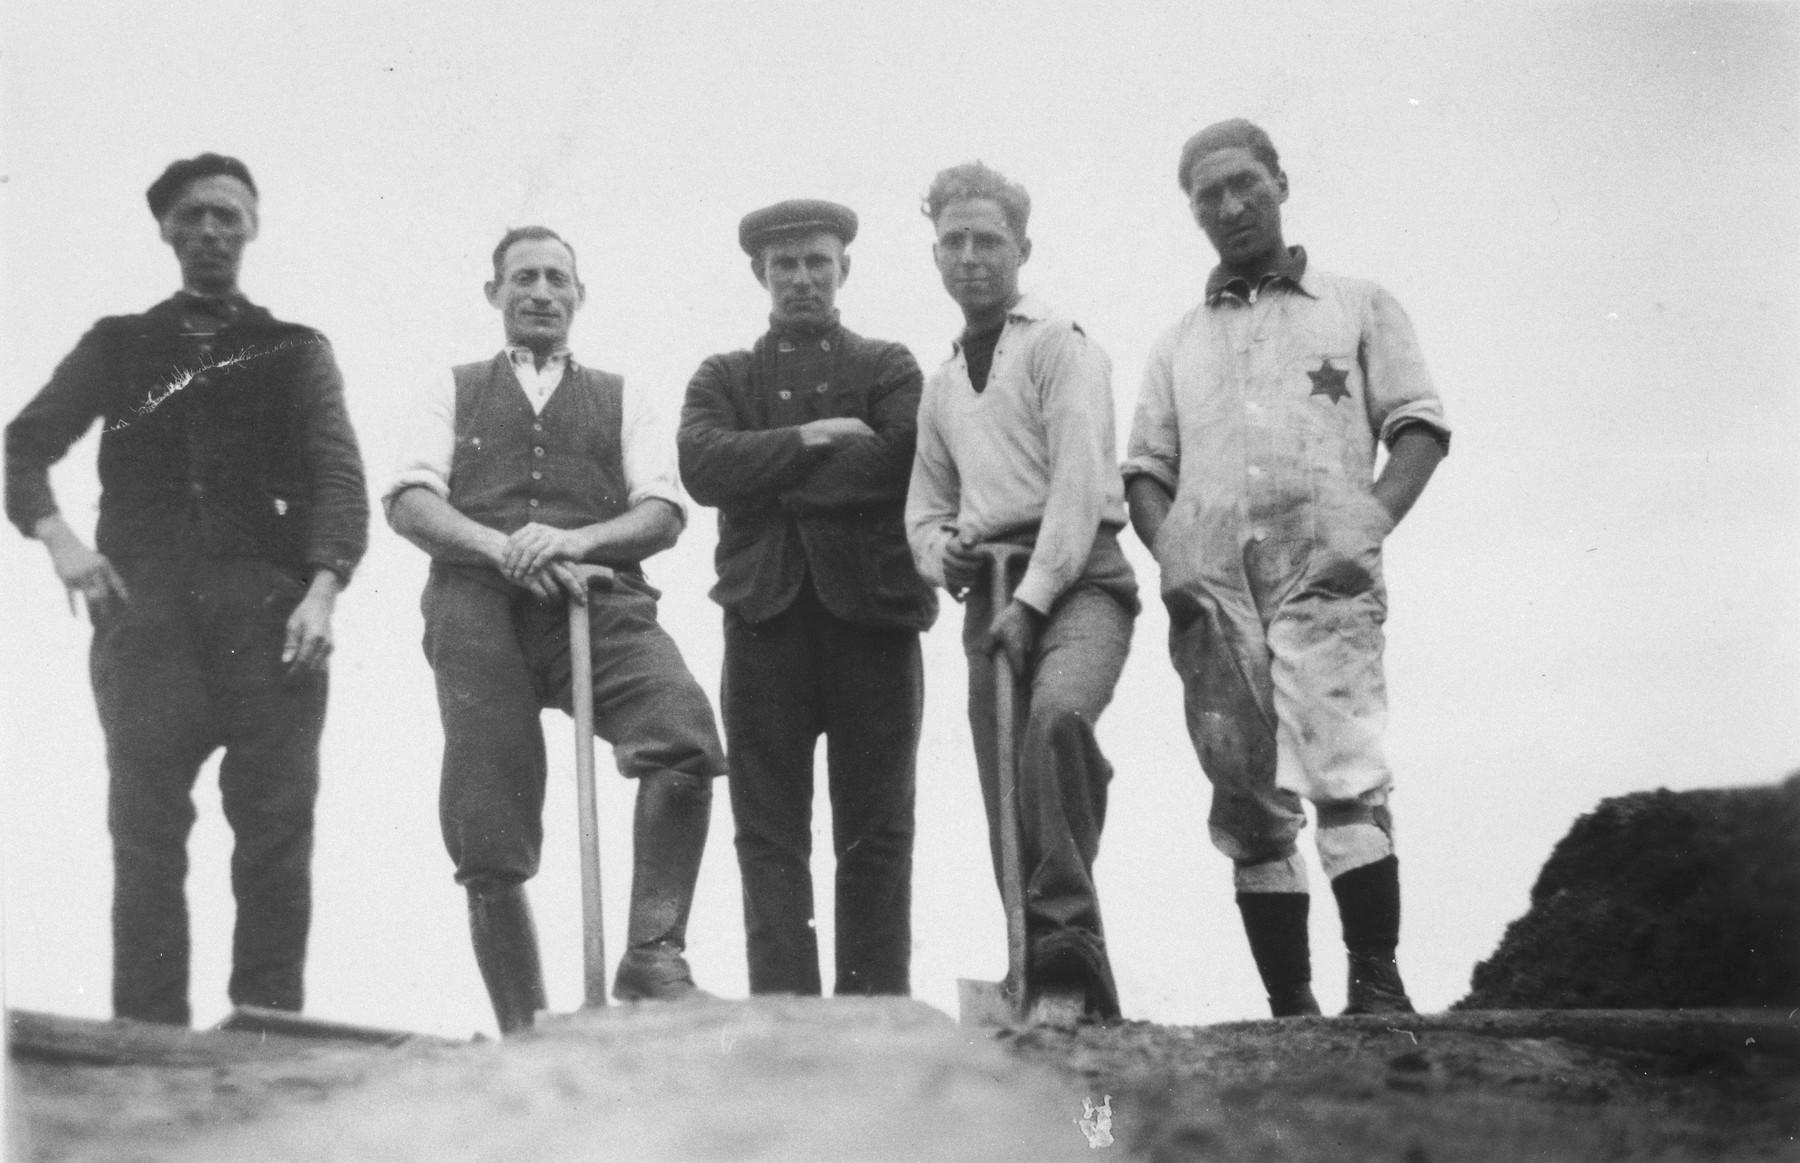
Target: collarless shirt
(1035, 449)
(646, 438)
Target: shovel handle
(581, 699)
(1012, 887)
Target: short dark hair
(175, 180)
(1236, 133)
(530, 234)
(977, 180)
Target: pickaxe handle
(581, 697)
(1012, 887)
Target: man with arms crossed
(521, 465)
(805, 443)
(232, 512)
(1251, 477)
(1016, 445)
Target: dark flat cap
(165, 190)
(798, 216)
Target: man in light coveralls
(1251, 477)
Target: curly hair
(530, 234)
(977, 180)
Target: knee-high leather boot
(668, 836)
(1275, 923)
(1369, 906)
(506, 950)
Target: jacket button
(537, 476)
(539, 427)
(533, 502)
(539, 451)
(825, 345)
(821, 389)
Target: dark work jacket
(787, 512)
(563, 467)
(230, 440)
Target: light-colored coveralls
(1260, 412)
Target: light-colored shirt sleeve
(1076, 381)
(430, 440)
(1154, 449)
(647, 440)
(1397, 387)
(934, 492)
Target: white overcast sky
(1588, 210)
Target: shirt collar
(790, 331)
(524, 358)
(1291, 272)
(224, 308)
(1029, 309)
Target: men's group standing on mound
(848, 489)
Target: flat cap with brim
(797, 216)
(175, 180)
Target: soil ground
(896, 1080)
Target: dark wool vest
(563, 467)
(211, 427)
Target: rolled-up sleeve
(430, 441)
(1154, 449)
(1398, 389)
(647, 439)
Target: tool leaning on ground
(581, 698)
(1010, 1002)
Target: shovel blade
(985, 1003)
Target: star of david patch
(1328, 381)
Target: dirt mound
(1660, 900)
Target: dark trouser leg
(768, 698)
(648, 706)
(875, 699)
(491, 795)
(269, 778)
(157, 720)
(1062, 778)
(506, 951)
(1369, 906)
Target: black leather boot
(1369, 906)
(1275, 923)
(506, 950)
(668, 837)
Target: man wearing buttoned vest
(804, 443)
(232, 512)
(1251, 478)
(521, 465)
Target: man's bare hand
(534, 547)
(308, 646)
(82, 570)
(964, 566)
(833, 431)
(1015, 633)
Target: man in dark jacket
(232, 513)
(805, 443)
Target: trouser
(499, 658)
(1281, 666)
(193, 664)
(1062, 776)
(787, 680)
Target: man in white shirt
(522, 465)
(1015, 444)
